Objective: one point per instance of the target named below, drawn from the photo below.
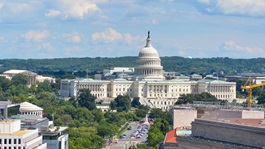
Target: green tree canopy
(189, 98)
(135, 102)
(44, 87)
(86, 99)
(19, 79)
(107, 129)
(121, 103)
(4, 83)
(261, 98)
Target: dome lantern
(148, 40)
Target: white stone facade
(12, 137)
(149, 84)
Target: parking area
(137, 134)
(136, 131)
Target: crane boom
(249, 86)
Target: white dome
(148, 52)
(149, 63)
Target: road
(126, 142)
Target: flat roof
(17, 133)
(245, 122)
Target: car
(129, 128)
(132, 137)
(116, 141)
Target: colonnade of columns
(149, 72)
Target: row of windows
(124, 89)
(9, 141)
(130, 95)
(123, 85)
(164, 102)
(157, 90)
(223, 96)
(10, 147)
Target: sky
(37, 29)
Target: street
(126, 142)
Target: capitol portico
(149, 84)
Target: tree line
(80, 67)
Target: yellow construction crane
(249, 86)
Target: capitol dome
(149, 63)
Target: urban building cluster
(209, 126)
(29, 129)
(147, 81)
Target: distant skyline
(115, 28)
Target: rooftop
(15, 71)
(26, 106)
(18, 133)
(171, 136)
(246, 122)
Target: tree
(84, 114)
(261, 98)
(98, 114)
(142, 111)
(107, 130)
(68, 76)
(4, 83)
(155, 136)
(156, 113)
(141, 146)
(86, 99)
(121, 103)
(114, 118)
(135, 102)
(19, 79)
(189, 98)
(44, 87)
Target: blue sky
(114, 28)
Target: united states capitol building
(149, 84)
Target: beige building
(183, 116)
(149, 84)
(31, 75)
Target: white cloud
(111, 35)
(231, 46)
(35, 35)
(77, 8)
(74, 37)
(245, 7)
(52, 13)
(234, 7)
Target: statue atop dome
(148, 40)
